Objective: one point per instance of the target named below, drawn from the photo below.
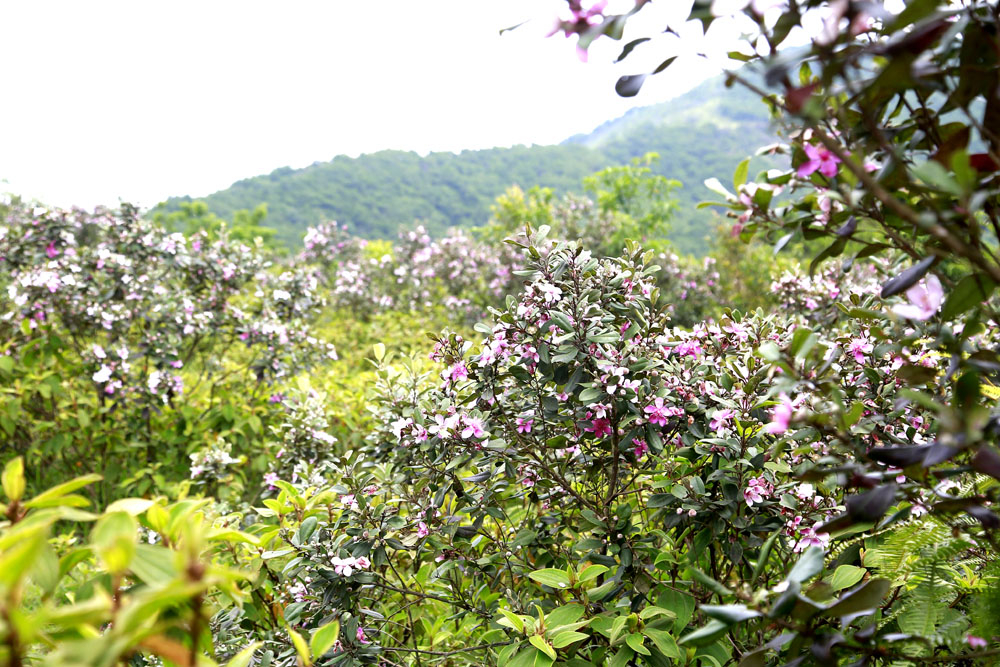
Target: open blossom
(345, 567)
(720, 419)
(821, 159)
(641, 447)
(860, 347)
(600, 428)
(737, 330)
(976, 642)
(758, 489)
(360, 635)
(781, 414)
(473, 428)
(103, 375)
(423, 530)
(524, 424)
(925, 300)
(657, 412)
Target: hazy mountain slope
(698, 135)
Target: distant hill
(700, 134)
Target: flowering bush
(125, 341)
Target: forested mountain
(698, 135)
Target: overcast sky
(144, 100)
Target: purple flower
(641, 447)
(720, 419)
(781, 414)
(656, 412)
(820, 158)
(925, 300)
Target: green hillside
(698, 135)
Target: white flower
(102, 375)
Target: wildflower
(473, 428)
(859, 347)
(656, 412)
(976, 642)
(524, 424)
(821, 159)
(758, 489)
(720, 419)
(423, 530)
(360, 634)
(103, 375)
(600, 428)
(781, 414)
(925, 300)
(641, 447)
(270, 478)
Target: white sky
(142, 100)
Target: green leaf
(114, 538)
(514, 620)
(867, 596)
(564, 615)
(132, 506)
(706, 635)
(730, 613)
(51, 496)
(243, 658)
(564, 639)
(651, 611)
(707, 581)
(13, 479)
(539, 642)
(300, 647)
(664, 643)
(379, 350)
(591, 572)
(153, 564)
(740, 176)
(550, 577)
(846, 576)
(969, 292)
(324, 638)
(810, 564)
(622, 657)
(635, 642)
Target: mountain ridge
(699, 134)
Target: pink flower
(360, 634)
(720, 419)
(458, 372)
(524, 424)
(976, 642)
(641, 448)
(925, 300)
(819, 158)
(860, 347)
(656, 412)
(51, 251)
(270, 478)
(600, 428)
(423, 530)
(737, 330)
(473, 428)
(758, 488)
(781, 414)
